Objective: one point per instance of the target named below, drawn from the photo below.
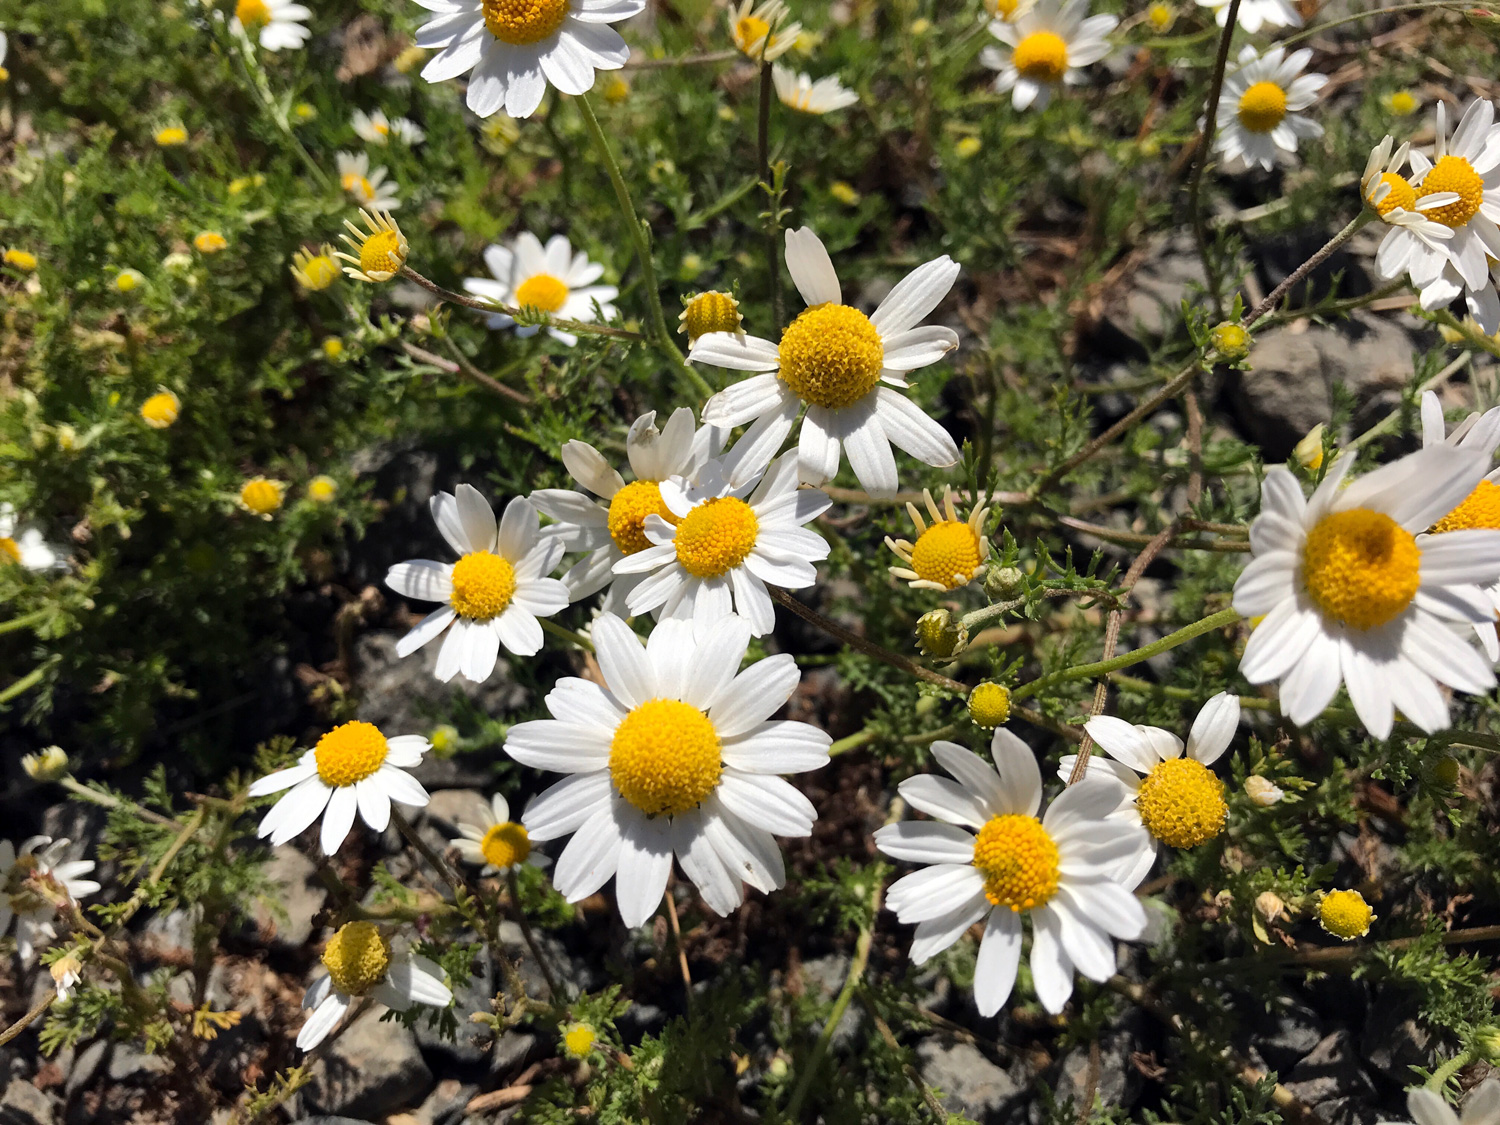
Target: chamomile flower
(4, 46)
(360, 963)
(516, 47)
(992, 860)
(834, 359)
(676, 754)
(1345, 914)
(1044, 47)
(67, 971)
(800, 92)
(1174, 796)
(761, 31)
(552, 279)
(947, 555)
(613, 526)
(722, 545)
(379, 252)
(1388, 192)
(1352, 592)
(34, 882)
(493, 594)
(378, 129)
(1427, 1107)
(1256, 14)
(367, 188)
(498, 845)
(354, 768)
(27, 547)
(315, 271)
(1260, 108)
(278, 22)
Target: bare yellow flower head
(948, 553)
(1161, 16)
(357, 957)
(1401, 103)
(322, 489)
(967, 147)
(989, 705)
(616, 90)
(210, 242)
(23, 260)
(379, 252)
(920, 26)
(304, 111)
(161, 410)
(262, 496)
(315, 271)
(1309, 451)
(333, 347)
(1230, 340)
(171, 136)
(1345, 914)
(844, 193)
(127, 281)
(712, 311)
(409, 59)
(445, 739)
(241, 184)
(940, 635)
(579, 1040)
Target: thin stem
(28, 1019)
(1146, 687)
(566, 634)
(682, 961)
(28, 681)
(1388, 423)
(582, 327)
(448, 875)
(683, 60)
(261, 87)
(1205, 147)
(1392, 10)
(1470, 334)
(554, 993)
(25, 621)
(1273, 298)
(110, 801)
(763, 169)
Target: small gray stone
(827, 975)
(445, 1104)
(24, 1104)
(1395, 1041)
(1118, 1082)
(1329, 1079)
(450, 807)
(126, 1061)
(1283, 1037)
(300, 894)
(85, 1065)
(373, 1069)
(169, 937)
(970, 1083)
(326, 1119)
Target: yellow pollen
(252, 14)
(578, 1040)
(523, 21)
(710, 312)
(989, 705)
(946, 553)
(350, 753)
(628, 509)
(9, 550)
(1480, 509)
(1345, 914)
(715, 537)
(261, 496)
(1454, 173)
(381, 253)
(357, 958)
(1360, 568)
(831, 356)
(665, 757)
(483, 584)
(1042, 57)
(1262, 107)
(1181, 803)
(1018, 860)
(505, 845)
(542, 291)
(1401, 195)
(161, 410)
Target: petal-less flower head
(1401, 103)
(847, 368)
(517, 47)
(1260, 118)
(761, 31)
(129, 280)
(1256, 14)
(991, 859)
(366, 187)
(1044, 48)
(210, 242)
(262, 496)
(360, 963)
(492, 595)
(322, 489)
(353, 769)
(948, 554)
(378, 129)
(379, 252)
(34, 882)
(724, 544)
(711, 311)
(161, 409)
(675, 755)
(1345, 914)
(1174, 796)
(1427, 1107)
(498, 844)
(614, 525)
(23, 260)
(27, 547)
(278, 22)
(1353, 592)
(315, 271)
(170, 136)
(4, 46)
(551, 279)
(800, 92)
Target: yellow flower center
(8, 549)
(749, 32)
(711, 312)
(261, 496)
(946, 553)
(628, 509)
(322, 489)
(171, 135)
(319, 271)
(252, 13)
(715, 537)
(578, 1040)
(210, 242)
(1042, 57)
(357, 958)
(1402, 103)
(543, 292)
(380, 127)
(382, 252)
(1345, 914)
(1181, 803)
(523, 21)
(1262, 107)
(989, 705)
(359, 187)
(665, 757)
(1401, 195)
(1360, 568)
(161, 410)
(1018, 860)
(483, 584)
(1480, 509)
(1454, 173)
(505, 845)
(350, 753)
(1160, 16)
(831, 356)
(23, 260)
(1002, 8)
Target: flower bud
(50, 765)
(1270, 906)
(1263, 791)
(989, 705)
(1309, 451)
(1345, 914)
(1487, 1043)
(1003, 582)
(939, 635)
(1230, 340)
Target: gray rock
(169, 937)
(86, 1064)
(472, 1042)
(445, 1104)
(969, 1082)
(326, 1119)
(1153, 305)
(24, 1104)
(1330, 1080)
(1284, 1037)
(78, 822)
(128, 1063)
(300, 894)
(1395, 1041)
(1118, 1082)
(452, 806)
(373, 1069)
(826, 975)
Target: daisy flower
(494, 593)
(1174, 796)
(516, 47)
(751, 27)
(360, 963)
(4, 46)
(551, 278)
(800, 92)
(27, 547)
(66, 971)
(1256, 14)
(675, 754)
(947, 555)
(1046, 45)
(1427, 1107)
(368, 189)
(353, 768)
(378, 129)
(278, 21)
(834, 359)
(34, 882)
(1267, 93)
(498, 845)
(614, 525)
(1352, 592)
(992, 860)
(1386, 191)
(723, 545)
(379, 251)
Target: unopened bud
(989, 705)
(1230, 340)
(1487, 1043)
(50, 765)
(1003, 582)
(1263, 791)
(1270, 906)
(1444, 771)
(939, 635)
(1309, 451)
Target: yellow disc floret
(989, 705)
(542, 291)
(1262, 107)
(9, 550)
(628, 509)
(210, 242)
(322, 489)
(350, 753)
(710, 312)
(1360, 568)
(1480, 509)
(357, 957)
(505, 845)
(483, 584)
(749, 31)
(578, 1040)
(1401, 195)
(382, 252)
(665, 757)
(1042, 57)
(947, 553)
(161, 410)
(1181, 803)
(23, 260)
(715, 537)
(519, 22)
(171, 136)
(315, 271)
(262, 496)
(1455, 174)
(831, 356)
(252, 13)
(1345, 914)
(1018, 860)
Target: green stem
(1388, 423)
(28, 681)
(1146, 687)
(25, 621)
(554, 992)
(1441, 1075)
(262, 89)
(1195, 185)
(763, 170)
(1274, 297)
(566, 634)
(1290, 39)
